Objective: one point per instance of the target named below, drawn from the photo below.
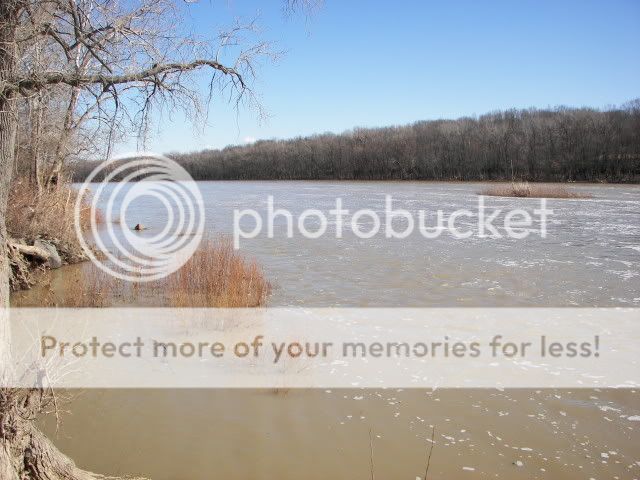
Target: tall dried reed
(46, 213)
(527, 190)
(216, 276)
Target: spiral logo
(140, 254)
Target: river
(590, 257)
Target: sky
(373, 63)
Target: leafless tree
(98, 65)
(562, 144)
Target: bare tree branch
(151, 76)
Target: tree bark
(63, 141)
(8, 129)
(36, 150)
(8, 17)
(25, 452)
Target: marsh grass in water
(215, 276)
(218, 276)
(528, 190)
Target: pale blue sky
(376, 63)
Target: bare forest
(556, 145)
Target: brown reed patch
(527, 190)
(47, 213)
(218, 276)
(215, 276)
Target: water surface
(591, 257)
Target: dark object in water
(139, 227)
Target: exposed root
(25, 452)
(21, 273)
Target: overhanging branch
(149, 75)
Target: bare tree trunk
(8, 128)
(63, 141)
(25, 453)
(36, 138)
(7, 156)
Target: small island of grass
(527, 190)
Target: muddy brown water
(590, 258)
(320, 434)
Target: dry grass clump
(215, 276)
(527, 190)
(47, 213)
(218, 276)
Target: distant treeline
(562, 144)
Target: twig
(371, 456)
(426, 471)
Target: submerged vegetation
(215, 276)
(554, 145)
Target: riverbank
(216, 276)
(41, 227)
(49, 267)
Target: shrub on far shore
(527, 190)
